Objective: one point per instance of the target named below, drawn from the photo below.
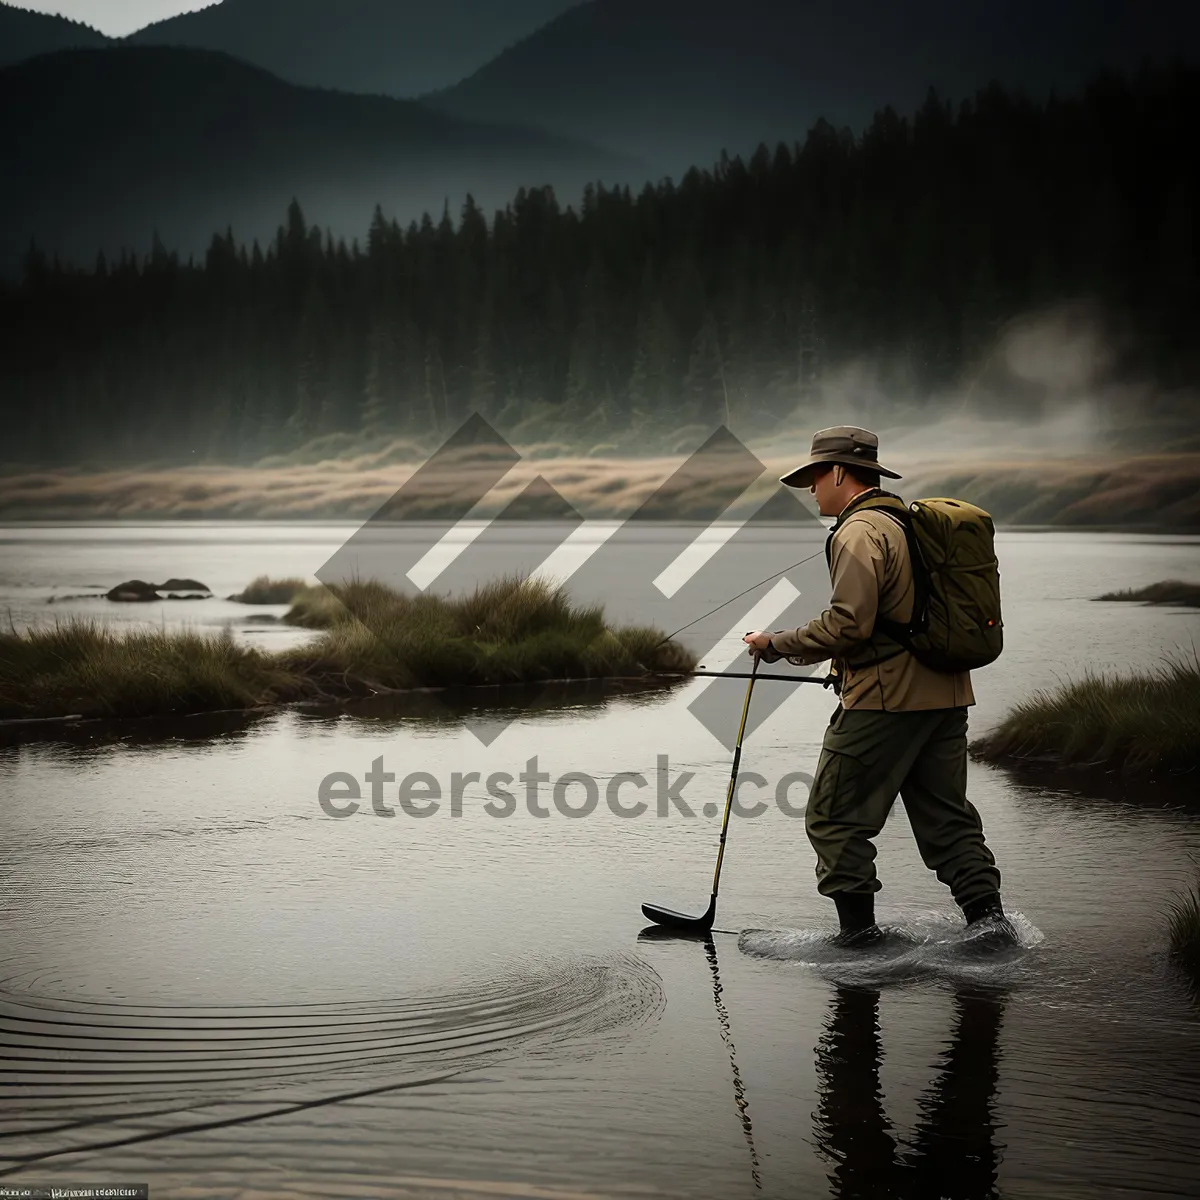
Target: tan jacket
(872, 575)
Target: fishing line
(739, 596)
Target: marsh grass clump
(265, 590)
(1140, 723)
(1167, 591)
(323, 608)
(371, 639)
(505, 631)
(1183, 931)
(88, 668)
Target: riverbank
(1139, 724)
(373, 640)
(1097, 492)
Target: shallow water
(209, 983)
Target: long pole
(827, 681)
(737, 758)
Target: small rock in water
(184, 585)
(133, 591)
(138, 591)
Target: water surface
(209, 983)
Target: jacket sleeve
(856, 569)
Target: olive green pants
(869, 758)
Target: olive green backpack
(956, 622)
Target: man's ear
(839, 475)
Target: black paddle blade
(670, 919)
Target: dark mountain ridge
(674, 82)
(393, 47)
(105, 146)
(24, 34)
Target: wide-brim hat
(845, 444)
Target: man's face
(826, 492)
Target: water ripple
(88, 1075)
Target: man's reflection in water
(953, 1154)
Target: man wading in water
(902, 726)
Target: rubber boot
(986, 906)
(856, 915)
(987, 927)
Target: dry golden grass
(1160, 490)
(1152, 490)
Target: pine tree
(381, 412)
(706, 399)
(310, 414)
(654, 383)
(436, 398)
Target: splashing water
(931, 943)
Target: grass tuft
(1167, 591)
(89, 668)
(1183, 931)
(505, 631)
(265, 590)
(1141, 723)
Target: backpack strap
(896, 635)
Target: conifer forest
(724, 296)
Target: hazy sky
(114, 17)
